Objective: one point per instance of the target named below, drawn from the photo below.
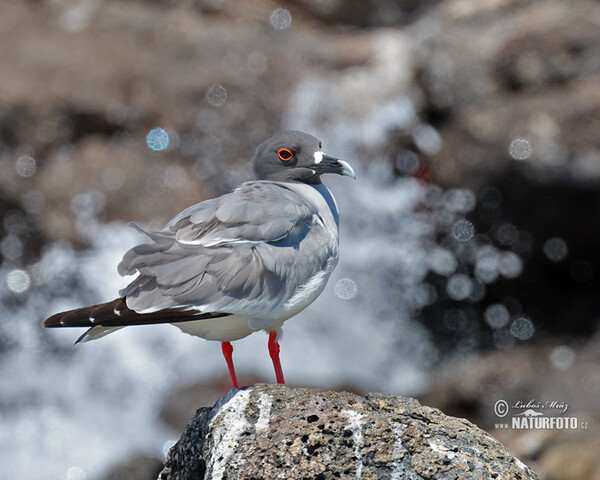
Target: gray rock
(272, 431)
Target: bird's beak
(333, 165)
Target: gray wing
(240, 253)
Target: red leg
(274, 352)
(228, 353)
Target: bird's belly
(222, 329)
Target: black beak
(333, 165)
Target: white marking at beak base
(318, 157)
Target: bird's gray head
(294, 156)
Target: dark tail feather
(117, 314)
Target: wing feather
(228, 254)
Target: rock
(472, 385)
(272, 431)
(182, 403)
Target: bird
(236, 264)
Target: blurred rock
(87, 83)
(266, 431)
(366, 13)
(140, 467)
(494, 72)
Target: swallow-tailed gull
(230, 266)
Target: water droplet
(407, 162)
(427, 139)
(522, 328)
(442, 261)
(459, 286)
(26, 166)
(507, 234)
(581, 271)
(562, 357)
(345, 288)
(11, 247)
(478, 291)
(157, 139)
(216, 95)
(510, 264)
(280, 18)
(459, 200)
(496, 316)
(520, 149)
(486, 268)
(463, 230)
(76, 473)
(555, 249)
(18, 280)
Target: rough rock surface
(272, 431)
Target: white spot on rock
(264, 409)
(399, 450)
(355, 425)
(232, 422)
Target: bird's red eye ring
(285, 155)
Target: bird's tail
(118, 314)
(88, 316)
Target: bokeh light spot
(442, 261)
(510, 265)
(25, 166)
(407, 162)
(486, 268)
(280, 18)
(496, 316)
(522, 328)
(345, 288)
(76, 473)
(459, 200)
(18, 281)
(463, 230)
(520, 149)
(555, 249)
(11, 247)
(157, 139)
(507, 234)
(459, 286)
(581, 271)
(562, 357)
(216, 95)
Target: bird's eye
(285, 155)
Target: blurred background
(470, 242)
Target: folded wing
(239, 253)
